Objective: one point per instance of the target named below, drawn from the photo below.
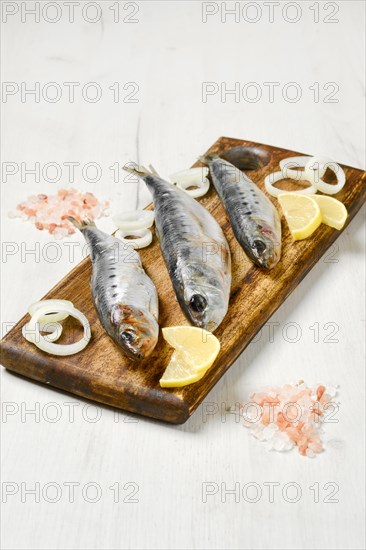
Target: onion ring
(195, 193)
(45, 327)
(144, 237)
(290, 167)
(35, 337)
(134, 219)
(274, 177)
(194, 177)
(316, 168)
(56, 315)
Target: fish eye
(259, 246)
(128, 335)
(198, 303)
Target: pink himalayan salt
(50, 212)
(288, 416)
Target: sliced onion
(274, 177)
(56, 315)
(316, 168)
(194, 177)
(143, 240)
(54, 328)
(134, 219)
(199, 191)
(34, 326)
(290, 167)
(196, 174)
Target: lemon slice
(333, 212)
(302, 214)
(195, 351)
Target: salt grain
(50, 212)
(289, 416)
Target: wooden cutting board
(102, 373)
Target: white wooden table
(107, 480)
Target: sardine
(195, 251)
(255, 221)
(124, 296)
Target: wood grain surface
(102, 373)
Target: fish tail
(81, 224)
(140, 171)
(154, 172)
(208, 157)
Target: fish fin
(140, 171)
(152, 169)
(208, 157)
(81, 224)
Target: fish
(254, 219)
(195, 251)
(124, 296)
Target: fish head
(264, 244)
(136, 330)
(204, 301)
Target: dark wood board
(102, 373)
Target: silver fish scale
(118, 275)
(125, 297)
(195, 251)
(252, 215)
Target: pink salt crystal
(289, 416)
(282, 422)
(319, 392)
(316, 445)
(51, 212)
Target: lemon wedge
(195, 350)
(302, 214)
(333, 211)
